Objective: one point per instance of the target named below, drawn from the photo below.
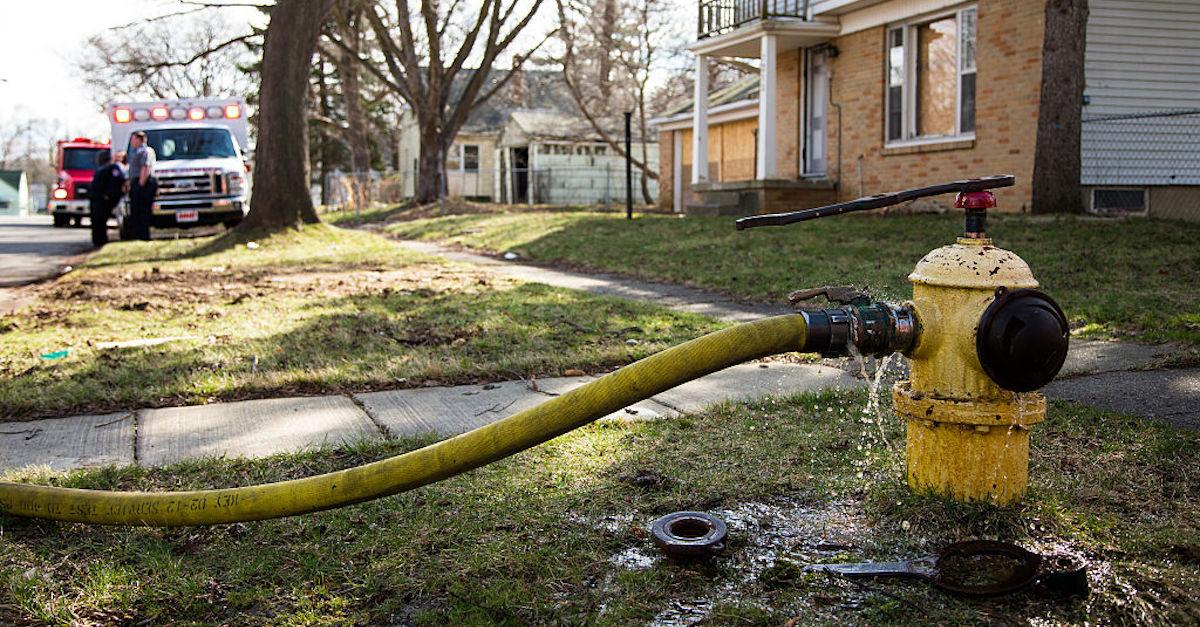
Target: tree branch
(200, 55)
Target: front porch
(786, 151)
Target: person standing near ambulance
(108, 185)
(143, 186)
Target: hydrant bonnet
(1022, 339)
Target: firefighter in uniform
(143, 186)
(108, 185)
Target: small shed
(14, 193)
(555, 158)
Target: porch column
(677, 171)
(700, 122)
(766, 168)
(530, 169)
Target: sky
(37, 77)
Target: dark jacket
(107, 183)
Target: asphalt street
(31, 248)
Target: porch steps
(740, 198)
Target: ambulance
(202, 165)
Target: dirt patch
(185, 289)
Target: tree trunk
(356, 121)
(281, 183)
(431, 167)
(324, 151)
(1057, 156)
(350, 29)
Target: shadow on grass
(362, 342)
(1128, 278)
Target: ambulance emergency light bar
(124, 115)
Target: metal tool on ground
(980, 338)
(975, 568)
(689, 535)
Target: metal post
(628, 166)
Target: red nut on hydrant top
(975, 200)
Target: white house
(14, 193)
(530, 145)
(548, 157)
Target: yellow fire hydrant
(981, 339)
(967, 432)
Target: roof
(543, 88)
(548, 124)
(743, 89)
(539, 102)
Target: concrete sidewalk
(156, 437)
(1106, 375)
(1095, 374)
(676, 297)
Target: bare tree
(422, 67)
(24, 146)
(281, 195)
(187, 54)
(609, 50)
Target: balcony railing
(718, 17)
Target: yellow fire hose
(638, 381)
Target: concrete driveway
(31, 248)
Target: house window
(463, 157)
(931, 78)
(470, 157)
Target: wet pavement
(1169, 395)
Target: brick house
(855, 97)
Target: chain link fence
(568, 185)
(1142, 149)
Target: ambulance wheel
(60, 220)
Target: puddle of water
(634, 558)
(682, 613)
(610, 524)
(761, 534)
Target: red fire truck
(76, 159)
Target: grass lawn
(558, 534)
(320, 310)
(1122, 278)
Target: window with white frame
(931, 78)
(463, 157)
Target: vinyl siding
(1142, 60)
